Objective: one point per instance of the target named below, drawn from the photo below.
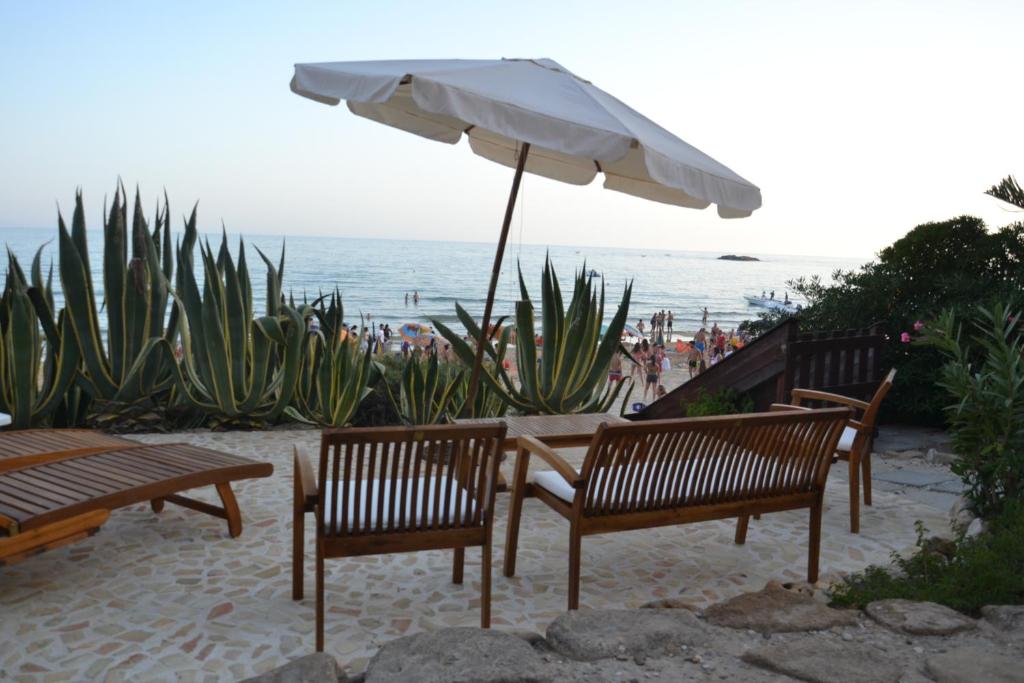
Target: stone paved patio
(172, 598)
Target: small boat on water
(773, 304)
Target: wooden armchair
(399, 489)
(665, 472)
(856, 441)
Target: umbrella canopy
(508, 106)
(413, 332)
(631, 330)
(574, 128)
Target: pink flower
(905, 337)
(918, 325)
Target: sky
(858, 120)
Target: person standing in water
(668, 321)
(416, 297)
(704, 319)
(407, 298)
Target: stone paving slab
(913, 477)
(171, 597)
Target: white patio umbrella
(533, 115)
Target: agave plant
(427, 391)
(336, 376)
(570, 375)
(132, 361)
(38, 358)
(236, 366)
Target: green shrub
(724, 402)
(984, 376)
(936, 266)
(964, 575)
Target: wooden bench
(666, 472)
(49, 498)
(398, 489)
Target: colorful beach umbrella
(533, 115)
(631, 330)
(414, 333)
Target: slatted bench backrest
(667, 464)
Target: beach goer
(661, 391)
(637, 354)
(415, 297)
(772, 297)
(640, 327)
(704, 318)
(653, 376)
(680, 347)
(407, 298)
(786, 300)
(666, 364)
(668, 321)
(692, 359)
(615, 369)
(700, 340)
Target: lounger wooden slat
(58, 486)
(123, 477)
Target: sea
(374, 275)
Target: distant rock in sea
(734, 257)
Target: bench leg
(515, 511)
(458, 565)
(231, 511)
(865, 468)
(157, 504)
(854, 492)
(319, 597)
(814, 547)
(298, 549)
(741, 529)
(575, 549)
(485, 584)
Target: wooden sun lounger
(48, 499)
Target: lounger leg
(865, 467)
(575, 549)
(485, 584)
(157, 504)
(814, 549)
(298, 548)
(319, 596)
(231, 511)
(854, 492)
(515, 511)
(741, 529)
(458, 565)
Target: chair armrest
(305, 480)
(785, 407)
(814, 395)
(557, 462)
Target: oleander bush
(983, 379)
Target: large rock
(776, 610)
(457, 655)
(600, 634)
(818, 660)
(1004, 617)
(973, 664)
(919, 618)
(315, 668)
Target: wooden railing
(845, 362)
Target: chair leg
(319, 597)
(575, 549)
(854, 492)
(485, 584)
(814, 547)
(298, 549)
(458, 565)
(741, 529)
(865, 467)
(231, 511)
(515, 511)
(157, 504)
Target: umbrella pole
(474, 377)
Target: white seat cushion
(554, 482)
(413, 518)
(846, 440)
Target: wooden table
(557, 431)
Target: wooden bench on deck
(666, 472)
